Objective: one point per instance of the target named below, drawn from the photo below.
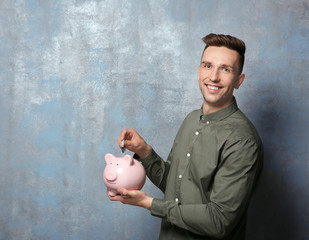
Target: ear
(109, 157)
(240, 80)
(128, 159)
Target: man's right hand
(134, 142)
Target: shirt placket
(184, 164)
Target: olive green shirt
(209, 176)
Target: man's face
(218, 76)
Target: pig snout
(111, 176)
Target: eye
(206, 65)
(226, 69)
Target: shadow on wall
(275, 211)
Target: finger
(123, 192)
(129, 134)
(121, 136)
(126, 194)
(117, 198)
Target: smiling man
(215, 162)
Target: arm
(156, 169)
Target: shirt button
(180, 176)
(176, 199)
(188, 154)
(196, 133)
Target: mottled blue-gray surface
(73, 73)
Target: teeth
(212, 87)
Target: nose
(111, 176)
(214, 75)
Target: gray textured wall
(73, 73)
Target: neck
(207, 108)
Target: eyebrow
(222, 65)
(227, 66)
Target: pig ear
(128, 159)
(109, 157)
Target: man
(216, 159)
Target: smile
(212, 87)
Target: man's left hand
(133, 197)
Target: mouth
(213, 87)
(111, 182)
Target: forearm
(202, 219)
(156, 169)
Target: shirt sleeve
(156, 169)
(233, 185)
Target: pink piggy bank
(125, 172)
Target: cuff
(147, 161)
(158, 208)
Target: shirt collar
(219, 115)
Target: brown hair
(233, 43)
